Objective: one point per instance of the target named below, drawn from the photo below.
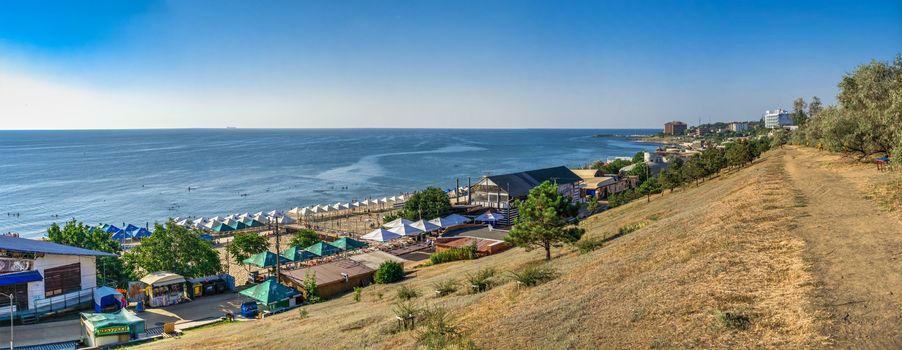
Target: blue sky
(573, 64)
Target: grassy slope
(724, 246)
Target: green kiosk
(102, 329)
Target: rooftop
(329, 272)
(25, 245)
(479, 232)
(519, 184)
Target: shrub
(438, 332)
(587, 244)
(302, 313)
(406, 293)
(406, 312)
(481, 281)
(445, 288)
(311, 288)
(454, 254)
(389, 272)
(731, 319)
(533, 276)
(357, 292)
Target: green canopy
(264, 259)
(346, 243)
(222, 228)
(238, 225)
(250, 222)
(119, 322)
(295, 253)
(323, 249)
(269, 292)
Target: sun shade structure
(489, 216)
(295, 253)
(323, 249)
(121, 235)
(269, 292)
(284, 220)
(425, 226)
(142, 233)
(348, 243)
(380, 235)
(398, 222)
(112, 229)
(460, 219)
(264, 259)
(406, 230)
(221, 227)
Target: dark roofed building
(331, 278)
(499, 191)
(38, 272)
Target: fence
(72, 301)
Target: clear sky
(568, 64)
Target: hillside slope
(718, 265)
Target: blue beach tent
(142, 233)
(112, 229)
(121, 235)
(105, 297)
(131, 229)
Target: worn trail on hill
(856, 255)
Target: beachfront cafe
(164, 289)
(106, 329)
(273, 296)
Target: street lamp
(11, 302)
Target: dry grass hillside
(713, 266)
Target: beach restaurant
(164, 288)
(332, 278)
(105, 329)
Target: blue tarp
(106, 296)
(142, 232)
(20, 277)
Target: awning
(20, 277)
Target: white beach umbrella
(212, 222)
(425, 226)
(215, 218)
(397, 222)
(393, 198)
(184, 222)
(380, 235)
(344, 206)
(245, 215)
(402, 197)
(296, 211)
(336, 206)
(315, 209)
(457, 219)
(383, 200)
(325, 208)
(355, 205)
(489, 216)
(406, 230)
(275, 213)
(262, 218)
(284, 220)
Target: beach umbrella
(216, 218)
(275, 213)
(445, 222)
(348, 243)
(393, 198)
(211, 223)
(259, 213)
(222, 227)
(296, 211)
(380, 235)
(489, 216)
(323, 249)
(251, 222)
(397, 222)
(183, 222)
(130, 229)
(265, 259)
(425, 226)
(356, 205)
(401, 197)
(284, 220)
(458, 219)
(344, 206)
(269, 292)
(295, 253)
(112, 229)
(383, 200)
(142, 233)
(121, 235)
(336, 206)
(315, 209)
(263, 219)
(406, 230)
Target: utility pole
(278, 257)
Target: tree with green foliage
(738, 154)
(310, 288)
(650, 187)
(814, 107)
(693, 170)
(713, 160)
(245, 244)
(641, 171)
(799, 117)
(110, 269)
(639, 157)
(427, 204)
(175, 249)
(670, 178)
(305, 237)
(545, 220)
(389, 272)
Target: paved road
(199, 309)
(854, 251)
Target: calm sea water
(141, 176)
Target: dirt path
(856, 255)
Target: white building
(777, 118)
(45, 276)
(738, 126)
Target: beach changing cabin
(104, 329)
(164, 288)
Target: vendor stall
(164, 288)
(273, 296)
(104, 329)
(108, 299)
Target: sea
(146, 176)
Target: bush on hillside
(406, 293)
(533, 276)
(587, 244)
(445, 288)
(389, 272)
(454, 254)
(481, 281)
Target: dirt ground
(854, 247)
(792, 252)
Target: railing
(70, 301)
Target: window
(62, 280)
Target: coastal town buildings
(44, 275)
(499, 191)
(777, 118)
(675, 128)
(598, 185)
